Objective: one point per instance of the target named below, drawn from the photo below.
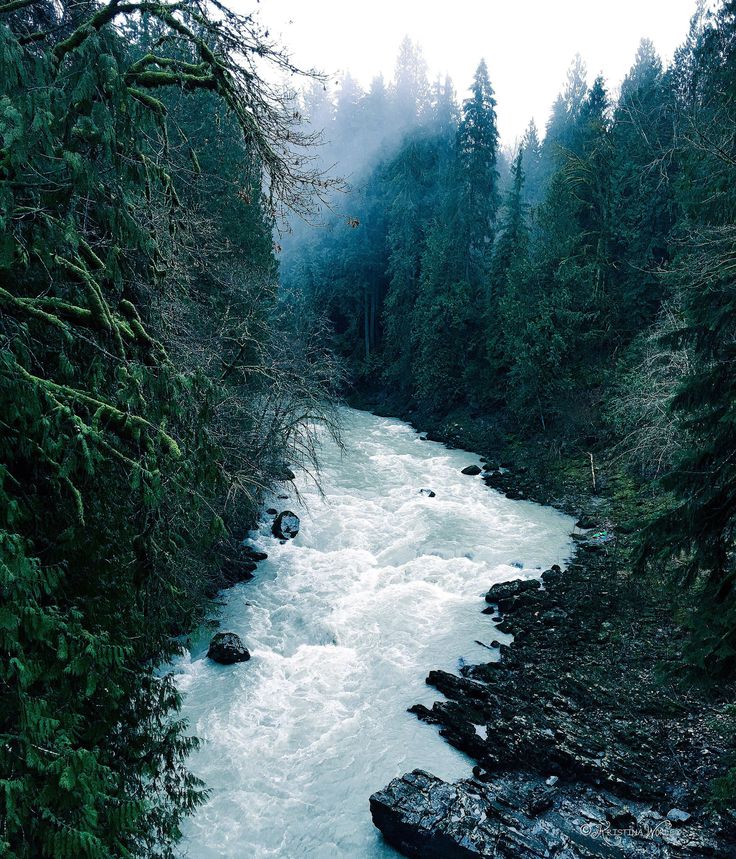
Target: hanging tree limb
(124, 420)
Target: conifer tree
(695, 532)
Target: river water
(343, 623)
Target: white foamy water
(343, 624)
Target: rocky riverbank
(583, 747)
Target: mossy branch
(100, 308)
(27, 306)
(148, 101)
(103, 17)
(151, 79)
(106, 411)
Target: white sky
(528, 44)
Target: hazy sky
(528, 44)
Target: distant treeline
(583, 297)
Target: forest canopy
(574, 295)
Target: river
(381, 585)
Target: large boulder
(428, 492)
(506, 590)
(426, 818)
(285, 525)
(472, 470)
(227, 649)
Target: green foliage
(142, 406)
(696, 532)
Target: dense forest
(151, 386)
(161, 366)
(575, 294)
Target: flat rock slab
(517, 816)
(424, 817)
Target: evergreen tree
(643, 207)
(464, 238)
(410, 86)
(531, 151)
(564, 115)
(477, 176)
(510, 249)
(696, 530)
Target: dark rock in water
(284, 474)
(272, 511)
(505, 590)
(472, 470)
(285, 525)
(236, 570)
(252, 554)
(495, 643)
(238, 565)
(283, 497)
(506, 605)
(428, 492)
(227, 649)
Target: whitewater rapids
(381, 585)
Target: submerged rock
(472, 470)
(252, 554)
(226, 648)
(286, 525)
(272, 511)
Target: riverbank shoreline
(583, 746)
